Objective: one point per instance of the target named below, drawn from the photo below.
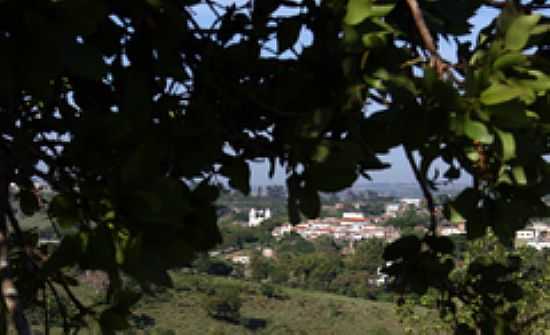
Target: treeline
(318, 265)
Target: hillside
(182, 310)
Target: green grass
(302, 312)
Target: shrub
(225, 304)
(270, 291)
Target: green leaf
(293, 208)
(338, 169)
(206, 192)
(375, 39)
(332, 178)
(510, 59)
(85, 61)
(238, 172)
(321, 153)
(28, 201)
(520, 178)
(359, 10)
(507, 145)
(288, 33)
(519, 31)
(405, 247)
(466, 208)
(64, 209)
(111, 321)
(498, 93)
(310, 203)
(440, 244)
(477, 131)
(67, 253)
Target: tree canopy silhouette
(133, 110)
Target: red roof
(354, 219)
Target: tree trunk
(7, 287)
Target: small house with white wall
(257, 216)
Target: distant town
(344, 220)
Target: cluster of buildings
(536, 235)
(392, 210)
(352, 226)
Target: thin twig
(425, 191)
(60, 305)
(46, 311)
(437, 62)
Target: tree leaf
(498, 93)
(510, 59)
(310, 203)
(519, 31)
(405, 247)
(238, 172)
(477, 131)
(359, 10)
(65, 210)
(85, 61)
(28, 202)
(507, 145)
(288, 33)
(518, 173)
(465, 208)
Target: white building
(411, 202)
(281, 230)
(257, 216)
(240, 259)
(391, 210)
(451, 230)
(525, 234)
(353, 215)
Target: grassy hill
(301, 312)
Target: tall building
(257, 216)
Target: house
(281, 230)
(268, 253)
(257, 216)
(238, 257)
(391, 210)
(353, 220)
(449, 230)
(525, 234)
(414, 202)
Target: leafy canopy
(132, 110)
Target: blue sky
(400, 170)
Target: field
(300, 312)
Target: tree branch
(8, 289)
(437, 62)
(425, 191)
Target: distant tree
(408, 220)
(326, 244)
(367, 255)
(260, 192)
(276, 191)
(260, 267)
(294, 244)
(225, 304)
